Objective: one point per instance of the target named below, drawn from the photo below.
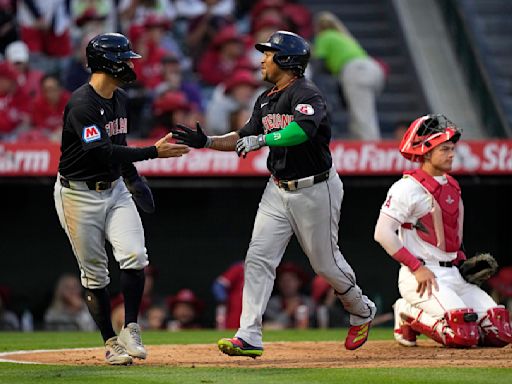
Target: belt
(292, 185)
(447, 264)
(86, 185)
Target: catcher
(439, 287)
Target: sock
(132, 286)
(98, 302)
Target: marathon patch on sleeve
(91, 133)
(305, 109)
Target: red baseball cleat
(357, 336)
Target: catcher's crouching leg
(495, 328)
(457, 329)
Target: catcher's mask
(109, 53)
(425, 133)
(291, 50)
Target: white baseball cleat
(115, 353)
(403, 332)
(129, 337)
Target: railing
(491, 109)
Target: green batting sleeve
(290, 135)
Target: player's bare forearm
(225, 142)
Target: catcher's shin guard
(495, 328)
(458, 329)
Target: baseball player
(93, 203)
(426, 209)
(303, 195)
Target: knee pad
(495, 328)
(463, 328)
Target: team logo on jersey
(91, 133)
(305, 109)
(449, 200)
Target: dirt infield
(292, 355)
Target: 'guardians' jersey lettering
(274, 121)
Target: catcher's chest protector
(442, 227)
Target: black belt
(447, 264)
(91, 184)
(292, 185)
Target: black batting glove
(187, 136)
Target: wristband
(407, 258)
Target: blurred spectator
(134, 13)
(94, 17)
(329, 311)
(185, 309)
(289, 308)
(296, 16)
(155, 317)
(153, 45)
(227, 290)
(68, 311)
(8, 319)
(76, 73)
(362, 78)
(172, 79)
(48, 110)
(501, 285)
(148, 299)
(14, 104)
(8, 30)
(169, 109)
(29, 80)
(207, 19)
(236, 94)
(223, 56)
(45, 28)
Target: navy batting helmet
(291, 50)
(109, 53)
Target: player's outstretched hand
(426, 281)
(187, 136)
(166, 149)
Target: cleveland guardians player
(426, 209)
(92, 201)
(303, 195)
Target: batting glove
(187, 136)
(248, 144)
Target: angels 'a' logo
(305, 109)
(449, 199)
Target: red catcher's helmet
(425, 133)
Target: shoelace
(118, 348)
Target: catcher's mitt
(477, 269)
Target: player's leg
(81, 214)
(361, 79)
(315, 214)
(443, 316)
(270, 236)
(493, 319)
(125, 232)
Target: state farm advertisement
(351, 158)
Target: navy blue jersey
(303, 103)
(92, 123)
